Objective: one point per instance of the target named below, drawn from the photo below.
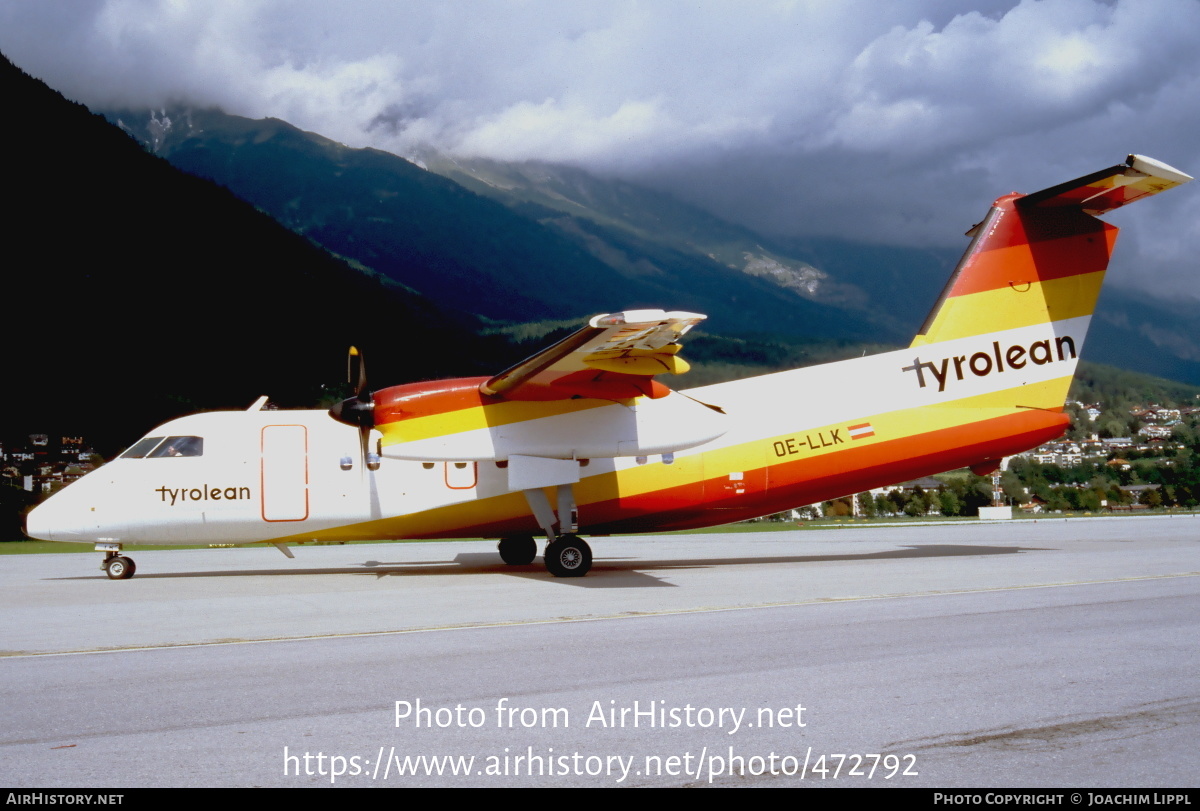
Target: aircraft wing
(615, 357)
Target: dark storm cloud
(896, 122)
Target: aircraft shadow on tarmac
(606, 572)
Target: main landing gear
(518, 551)
(566, 556)
(116, 565)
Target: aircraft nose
(37, 524)
(58, 519)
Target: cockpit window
(141, 448)
(178, 446)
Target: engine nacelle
(453, 421)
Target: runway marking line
(601, 618)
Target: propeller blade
(358, 410)
(356, 372)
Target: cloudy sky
(894, 121)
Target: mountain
(538, 241)
(889, 287)
(1139, 332)
(513, 258)
(136, 292)
(884, 291)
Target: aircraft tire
(519, 550)
(119, 568)
(569, 556)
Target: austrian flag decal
(860, 431)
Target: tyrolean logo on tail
(982, 364)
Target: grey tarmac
(1051, 653)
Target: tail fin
(1041, 258)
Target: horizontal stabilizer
(1103, 191)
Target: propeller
(358, 410)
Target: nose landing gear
(116, 565)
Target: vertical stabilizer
(1041, 258)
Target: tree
(951, 506)
(1057, 502)
(838, 508)
(916, 505)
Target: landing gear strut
(567, 555)
(115, 565)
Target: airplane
(584, 437)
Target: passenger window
(178, 446)
(141, 447)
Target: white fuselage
(266, 475)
